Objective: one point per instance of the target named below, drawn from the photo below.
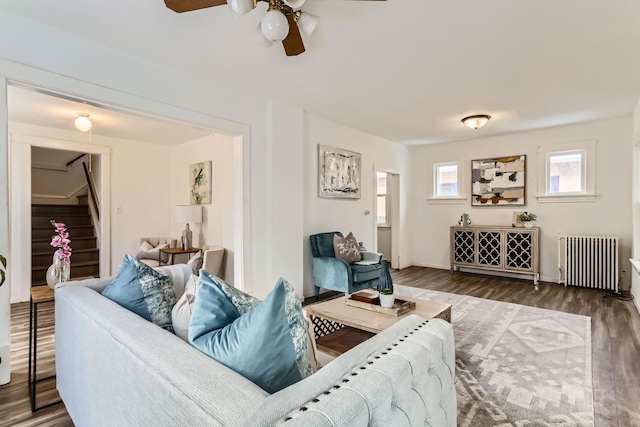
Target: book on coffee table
(370, 297)
(399, 308)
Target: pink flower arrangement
(61, 241)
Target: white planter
(528, 224)
(387, 300)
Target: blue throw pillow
(268, 345)
(144, 291)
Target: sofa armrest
(97, 284)
(371, 256)
(332, 273)
(402, 376)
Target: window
(446, 180)
(382, 205)
(566, 172)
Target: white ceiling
(406, 70)
(28, 106)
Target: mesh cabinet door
(519, 251)
(490, 248)
(464, 248)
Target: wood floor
(15, 409)
(615, 336)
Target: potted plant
(386, 297)
(527, 219)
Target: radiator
(588, 261)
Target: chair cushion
(264, 345)
(144, 291)
(322, 244)
(346, 248)
(364, 273)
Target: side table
(175, 251)
(39, 295)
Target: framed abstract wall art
(338, 173)
(200, 182)
(499, 182)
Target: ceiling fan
(283, 22)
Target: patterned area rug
(517, 365)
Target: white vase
(59, 271)
(387, 300)
(528, 224)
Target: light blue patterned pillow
(144, 291)
(267, 345)
(243, 302)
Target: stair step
(74, 231)
(80, 242)
(78, 269)
(45, 220)
(78, 255)
(59, 209)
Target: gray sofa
(116, 369)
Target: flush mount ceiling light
(284, 21)
(476, 122)
(83, 123)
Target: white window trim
(458, 199)
(588, 148)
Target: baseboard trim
(487, 272)
(428, 265)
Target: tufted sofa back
(401, 378)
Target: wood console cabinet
(507, 249)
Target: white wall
(635, 274)
(609, 215)
(139, 180)
(58, 187)
(218, 215)
(345, 215)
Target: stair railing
(94, 202)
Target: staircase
(85, 254)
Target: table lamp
(189, 214)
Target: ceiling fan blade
(293, 44)
(189, 5)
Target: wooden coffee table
(339, 327)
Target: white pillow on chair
(147, 251)
(195, 262)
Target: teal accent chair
(335, 274)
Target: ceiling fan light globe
(307, 23)
(259, 37)
(240, 7)
(275, 26)
(294, 4)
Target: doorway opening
(387, 216)
(140, 164)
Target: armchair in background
(336, 274)
(148, 252)
(213, 260)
